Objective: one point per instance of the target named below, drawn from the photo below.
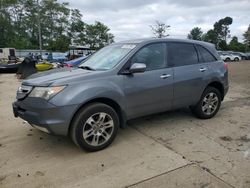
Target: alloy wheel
(98, 129)
(210, 103)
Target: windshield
(108, 57)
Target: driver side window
(153, 56)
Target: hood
(48, 77)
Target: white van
(6, 52)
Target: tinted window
(152, 55)
(206, 56)
(180, 54)
(1, 51)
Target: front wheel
(94, 127)
(209, 104)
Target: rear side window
(205, 55)
(181, 54)
(1, 51)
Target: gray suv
(123, 81)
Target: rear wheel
(227, 59)
(94, 127)
(209, 104)
(236, 59)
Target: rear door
(188, 73)
(213, 65)
(150, 91)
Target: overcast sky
(131, 18)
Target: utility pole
(39, 27)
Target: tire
(227, 59)
(207, 110)
(94, 127)
(236, 59)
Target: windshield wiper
(86, 67)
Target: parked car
(57, 57)
(120, 82)
(229, 56)
(75, 62)
(248, 55)
(243, 56)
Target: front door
(151, 91)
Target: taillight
(226, 66)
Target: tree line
(219, 35)
(60, 26)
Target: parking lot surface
(171, 149)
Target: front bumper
(44, 115)
(226, 90)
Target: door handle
(203, 69)
(164, 76)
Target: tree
(77, 27)
(59, 44)
(54, 22)
(222, 28)
(6, 25)
(19, 34)
(211, 36)
(60, 25)
(30, 24)
(222, 45)
(97, 36)
(235, 45)
(246, 36)
(160, 29)
(219, 34)
(195, 34)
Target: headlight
(46, 92)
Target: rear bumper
(44, 115)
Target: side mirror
(137, 67)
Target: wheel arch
(218, 86)
(110, 102)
